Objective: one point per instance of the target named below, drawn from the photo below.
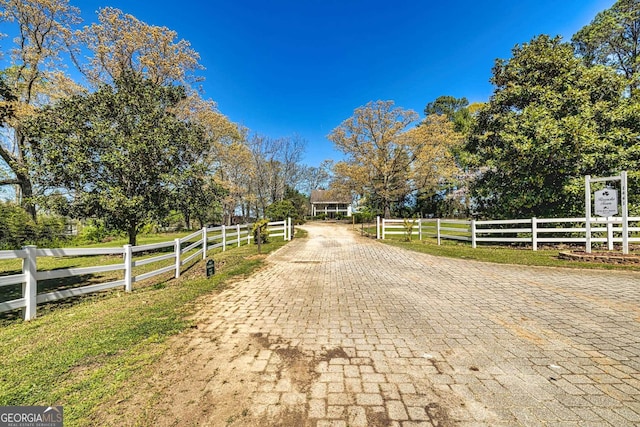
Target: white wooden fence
(203, 240)
(533, 230)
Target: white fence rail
(182, 251)
(532, 230)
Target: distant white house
(330, 203)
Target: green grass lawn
(502, 254)
(83, 351)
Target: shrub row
(17, 229)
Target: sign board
(606, 202)
(211, 268)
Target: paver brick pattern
(398, 338)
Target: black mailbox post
(211, 268)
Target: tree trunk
(387, 210)
(27, 193)
(133, 233)
(187, 219)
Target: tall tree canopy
(453, 108)
(550, 121)
(118, 150)
(613, 38)
(378, 159)
(435, 169)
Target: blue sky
(302, 67)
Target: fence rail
(531, 230)
(183, 250)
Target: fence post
(610, 233)
(204, 242)
(534, 233)
(238, 233)
(224, 238)
(249, 234)
(420, 229)
(625, 212)
(30, 286)
(587, 222)
(438, 230)
(473, 233)
(377, 226)
(128, 274)
(177, 249)
(290, 229)
(382, 228)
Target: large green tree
(118, 150)
(550, 121)
(613, 38)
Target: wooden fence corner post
(238, 234)
(177, 249)
(128, 267)
(438, 230)
(377, 226)
(534, 233)
(30, 285)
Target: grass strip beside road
(80, 355)
(502, 255)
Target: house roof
(329, 196)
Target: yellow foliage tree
(386, 161)
(120, 42)
(434, 163)
(378, 158)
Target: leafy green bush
(17, 229)
(281, 210)
(408, 225)
(264, 231)
(93, 231)
(148, 228)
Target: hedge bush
(17, 229)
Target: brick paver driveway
(391, 337)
